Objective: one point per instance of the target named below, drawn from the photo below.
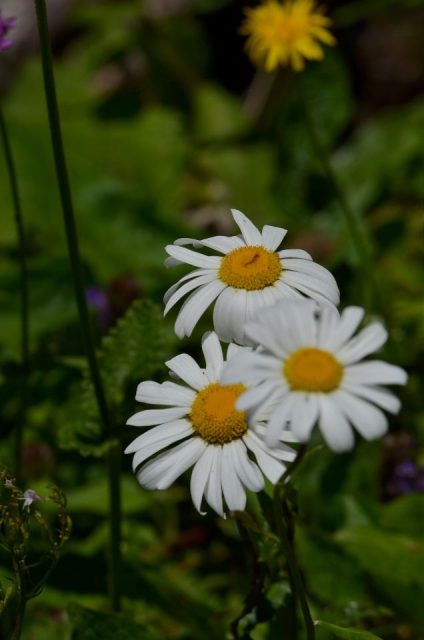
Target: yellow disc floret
(286, 32)
(214, 416)
(311, 369)
(250, 268)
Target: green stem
(114, 470)
(23, 286)
(292, 562)
(355, 227)
(75, 259)
(22, 599)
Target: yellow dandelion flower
(286, 33)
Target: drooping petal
(179, 428)
(195, 306)
(200, 476)
(232, 488)
(335, 428)
(195, 283)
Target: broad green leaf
(389, 556)
(135, 350)
(346, 634)
(95, 625)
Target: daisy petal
(186, 368)
(188, 456)
(186, 288)
(349, 322)
(232, 488)
(213, 490)
(378, 396)
(149, 450)
(334, 426)
(365, 417)
(157, 416)
(250, 233)
(247, 471)
(195, 305)
(374, 372)
(212, 351)
(199, 478)
(162, 432)
(304, 416)
(294, 253)
(166, 393)
(186, 256)
(367, 341)
(223, 244)
(272, 237)
(271, 468)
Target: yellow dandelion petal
(286, 33)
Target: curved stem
(353, 224)
(23, 285)
(75, 259)
(292, 562)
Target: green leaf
(346, 634)
(135, 350)
(95, 625)
(392, 557)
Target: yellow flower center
(214, 416)
(250, 268)
(311, 369)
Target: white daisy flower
(250, 275)
(309, 371)
(211, 434)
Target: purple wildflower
(29, 497)
(5, 25)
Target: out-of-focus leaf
(346, 634)
(405, 515)
(389, 556)
(217, 114)
(95, 625)
(93, 498)
(321, 560)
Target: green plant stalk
(23, 286)
(22, 600)
(75, 259)
(355, 227)
(292, 562)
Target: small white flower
(309, 371)
(212, 435)
(250, 275)
(29, 496)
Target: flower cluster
(293, 362)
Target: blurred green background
(167, 126)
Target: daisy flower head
(202, 427)
(309, 370)
(286, 33)
(250, 274)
